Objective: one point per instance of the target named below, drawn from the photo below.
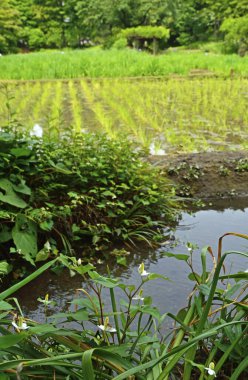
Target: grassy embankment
(114, 63)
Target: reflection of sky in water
(203, 228)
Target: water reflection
(203, 228)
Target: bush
(120, 43)
(87, 191)
(236, 35)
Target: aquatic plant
(208, 339)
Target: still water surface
(202, 228)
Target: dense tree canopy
(34, 24)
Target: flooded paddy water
(203, 227)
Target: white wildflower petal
(138, 298)
(107, 329)
(23, 326)
(142, 270)
(211, 372)
(144, 273)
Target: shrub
(120, 43)
(87, 190)
(236, 35)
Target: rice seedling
(103, 122)
(76, 106)
(175, 114)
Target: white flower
(79, 262)
(142, 270)
(47, 246)
(107, 328)
(22, 325)
(211, 370)
(138, 296)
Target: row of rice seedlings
(124, 120)
(54, 117)
(216, 102)
(187, 105)
(76, 107)
(27, 102)
(41, 108)
(104, 121)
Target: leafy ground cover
(114, 63)
(83, 191)
(130, 339)
(183, 115)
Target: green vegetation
(189, 115)
(96, 63)
(236, 35)
(34, 24)
(146, 37)
(131, 338)
(81, 190)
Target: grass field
(114, 63)
(174, 115)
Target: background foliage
(35, 24)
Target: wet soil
(207, 175)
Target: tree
(142, 36)
(9, 26)
(236, 35)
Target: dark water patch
(202, 228)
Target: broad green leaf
(24, 235)
(5, 234)
(10, 340)
(5, 268)
(10, 196)
(20, 152)
(154, 276)
(194, 277)
(42, 255)
(22, 188)
(104, 281)
(151, 311)
(122, 261)
(43, 329)
(176, 256)
(5, 306)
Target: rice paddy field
(165, 115)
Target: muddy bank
(207, 175)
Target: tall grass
(99, 63)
